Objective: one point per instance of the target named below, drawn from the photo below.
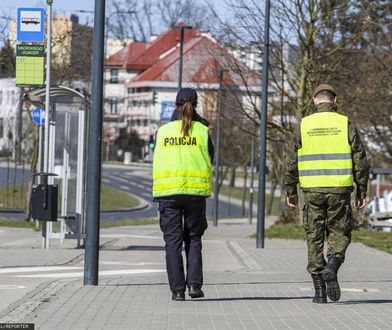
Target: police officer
(328, 157)
(182, 179)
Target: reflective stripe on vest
(325, 157)
(182, 164)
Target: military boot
(320, 296)
(330, 276)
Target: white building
(9, 110)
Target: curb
(136, 208)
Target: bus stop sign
(30, 25)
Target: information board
(167, 109)
(30, 61)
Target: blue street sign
(167, 109)
(38, 116)
(30, 25)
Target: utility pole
(182, 28)
(263, 134)
(91, 259)
(46, 128)
(217, 149)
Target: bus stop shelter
(68, 117)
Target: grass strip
(110, 199)
(378, 240)
(116, 199)
(17, 223)
(104, 224)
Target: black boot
(330, 276)
(320, 296)
(178, 295)
(195, 291)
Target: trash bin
(44, 199)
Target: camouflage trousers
(327, 218)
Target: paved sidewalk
(245, 287)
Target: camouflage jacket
(360, 166)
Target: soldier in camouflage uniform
(327, 158)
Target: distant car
(30, 20)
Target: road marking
(245, 256)
(124, 187)
(35, 269)
(102, 273)
(106, 180)
(131, 236)
(118, 178)
(11, 287)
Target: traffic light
(154, 97)
(151, 142)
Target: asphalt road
(134, 180)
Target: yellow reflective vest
(182, 164)
(325, 160)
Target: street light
(217, 149)
(182, 28)
(263, 134)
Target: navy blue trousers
(183, 222)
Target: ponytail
(186, 116)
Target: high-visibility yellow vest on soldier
(325, 157)
(182, 164)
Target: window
(114, 76)
(113, 105)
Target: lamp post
(263, 134)
(91, 260)
(217, 149)
(182, 28)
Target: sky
(8, 7)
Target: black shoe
(320, 296)
(178, 296)
(330, 276)
(195, 291)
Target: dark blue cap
(185, 95)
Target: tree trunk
(33, 168)
(272, 194)
(232, 177)
(244, 190)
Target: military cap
(324, 87)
